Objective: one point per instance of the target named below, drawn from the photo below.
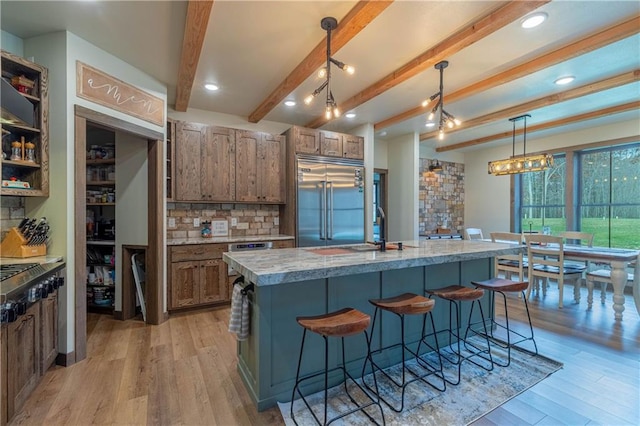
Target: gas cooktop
(8, 271)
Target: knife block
(15, 245)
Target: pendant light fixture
(520, 164)
(444, 119)
(331, 111)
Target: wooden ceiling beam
(195, 28)
(630, 106)
(355, 21)
(574, 49)
(587, 89)
(468, 35)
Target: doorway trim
(154, 273)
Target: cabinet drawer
(198, 252)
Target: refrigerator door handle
(323, 216)
(330, 218)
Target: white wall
(367, 132)
(403, 165)
(380, 160)
(11, 43)
(132, 183)
(488, 198)
(59, 53)
(428, 151)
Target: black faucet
(383, 246)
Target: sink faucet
(383, 235)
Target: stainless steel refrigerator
(330, 202)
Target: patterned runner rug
(479, 392)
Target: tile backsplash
(242, 219)
(11, 213)
(441, 203)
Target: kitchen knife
(22, 224)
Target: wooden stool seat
(501, 284)
(457, 292)
(345, 322)
(407, 303)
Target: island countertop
(271, 267)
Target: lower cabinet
(198, 275)
(48, 331)
(23, 355)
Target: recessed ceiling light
(290, 103)
(430, 124)
(533, 20)
(350, 114)
(565, 80)
(211, 86)
(383, 133)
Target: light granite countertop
(36, 259)
(270, 267)
(226, 240)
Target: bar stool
(502, 286)
(456, 294)
(405, 304)
(342, 323)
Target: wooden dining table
(618, 259)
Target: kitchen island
(311, 281)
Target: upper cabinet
(25, 127)
(219, 164)
(330, 144)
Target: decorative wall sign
(101, 88)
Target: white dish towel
(239, 319)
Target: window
(542, 196)
(609, 203)
(603, 198)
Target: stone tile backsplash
(441, 203)
(258, 219)
(11, 213)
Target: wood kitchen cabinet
(34, 175)
(198, 275)
(205, 163)
(23, 355)
(48, 331)
(325, 143)
(260, 171)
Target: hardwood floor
(184, 372)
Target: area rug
(479, 392)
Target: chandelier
(445, 119)
(520, 164)
(331, 111)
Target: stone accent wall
(441, 203)
(11, 213)
(252, 219)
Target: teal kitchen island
(288, 283)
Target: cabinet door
(353, 147)
(307, 141)
(185, 282)
(188, 155)
(213, 281)
(23, 350)
(48, 331)
(247, 167)
(217, 172)
(331, 144)
(271, 169)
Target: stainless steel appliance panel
(330, 201)
(345, 204)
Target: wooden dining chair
(577, 238)
(509, 264)
(546, 260)
(473, 234)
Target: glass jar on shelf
(30, 152)
(16, 151)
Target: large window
(602, 196)
(542, 196)
(609, 203)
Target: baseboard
(118, 315)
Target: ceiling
(497, 69)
